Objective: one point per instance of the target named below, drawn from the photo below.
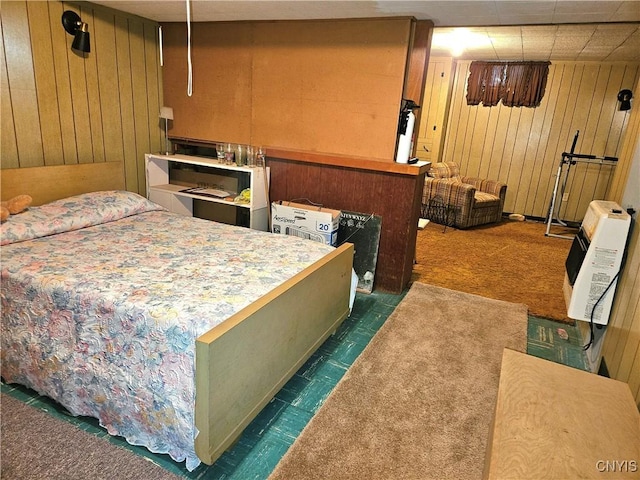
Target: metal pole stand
(569, 159)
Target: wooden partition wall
(320, 86)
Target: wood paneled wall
(621, 348)
(59, 108)
(430, 135)
(523, 146)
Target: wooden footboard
(243, 362)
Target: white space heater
(594, 260)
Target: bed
(174, 332)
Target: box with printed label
(305, 221)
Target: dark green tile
(293, 388)
(557, 342)
(310, 367)
(265, 456)
(359, 336)
(314, 395)
(288, 427)
(346, 353)
(265, 418)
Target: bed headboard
(46, 184)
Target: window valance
(516, 84)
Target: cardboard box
(306, 221)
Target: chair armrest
(493, 187)
(452, 192)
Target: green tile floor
(268, 437)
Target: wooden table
(556, 422)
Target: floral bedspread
(103, 317)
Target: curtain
(516, 84)
(485, 83)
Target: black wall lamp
(74, 26)
(624, 97)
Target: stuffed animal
(14, 205)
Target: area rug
(510, 261)
(418, 401)
(35, 445)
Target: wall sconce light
(624, 97)
(74, 26)
(166, 113)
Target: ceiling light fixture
(75, 26)
(458, 40)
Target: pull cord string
(190, 75)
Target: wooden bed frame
(243, 362)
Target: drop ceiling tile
(510, 54)
(587, 58)
(605, 40)
(536, 56)
(602, 51)
(527, 19)
(541, 42)
(539, 30)
(602, 6)
(474, 55)
(573, 43)
(626, 12)
(617, 28)
(633, 40)
(577, 17)
(506, 41)
(566, 57)
(624, 53)
(511, 58)
(577, 30)
(516, 8)
(505, 31)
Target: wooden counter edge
(359, 163)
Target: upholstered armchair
(451, 199)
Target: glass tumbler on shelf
(241, 155)
(220, 149)
(260, 154)
(251, 156)
(229, 154)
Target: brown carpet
(418, 401)
(510, 261)
(36, 445)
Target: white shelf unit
(168, 176)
